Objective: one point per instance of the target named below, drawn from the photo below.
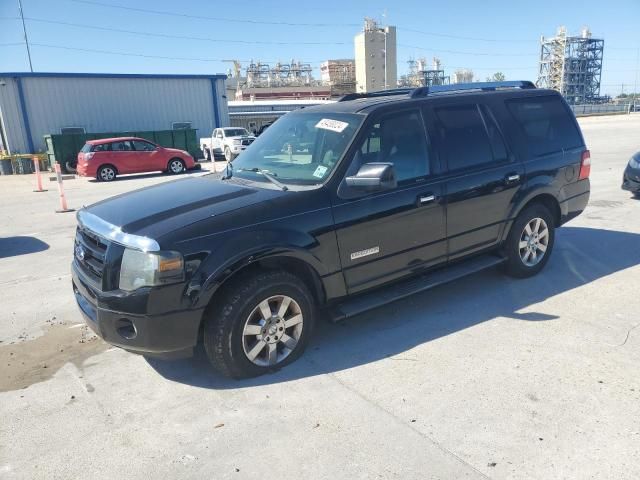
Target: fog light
(126, 329)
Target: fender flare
(220, 275)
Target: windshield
(300, 148)
(235, 132)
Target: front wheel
(530, 242)
(228, 156)
(176, 166)
(259, 323)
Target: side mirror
(374, 177)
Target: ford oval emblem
(80, 252)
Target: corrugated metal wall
(11, 117)
(108, 104)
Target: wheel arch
(542, 197)
(293, 261)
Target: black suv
(334, 210)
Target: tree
(496, 77)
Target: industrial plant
(572, 65)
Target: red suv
(108, 157)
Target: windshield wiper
(267, 175)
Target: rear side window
(101, 147)
(464, 140)
(86, 148)
(547, 124)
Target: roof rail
(461, 87)
(379, 93)
(426, 91)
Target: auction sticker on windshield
(320, 171)
(333, 125)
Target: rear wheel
(530, 242)
(207, 154)
(107, 173)
(176, 166)
(260, 323)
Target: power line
(467, 53)
(143, 55)
(222, 19)
(11, 44)
(172, 36)
(26, 38)
(459, 37)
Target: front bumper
(631, 180)
(157, 334)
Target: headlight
(635, 162)
(237, 141)
(142, 269)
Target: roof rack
(461, 87)
(380, 93)
(426, 91)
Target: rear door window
(547, 124)
(464, 139)
(121, 146)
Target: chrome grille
(90, 251)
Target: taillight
(585, 165)
(88, 156)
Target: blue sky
(498, 35)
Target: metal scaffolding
(572, 66)
(294, 74)
(421, 76)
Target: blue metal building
(35, 104)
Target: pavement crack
(628, 334)
(403, 422)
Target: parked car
(631, 176)
(107, 158)
(229, 142)
(395, 192)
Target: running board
(392, 292)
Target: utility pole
(26, 38)
(635, 81)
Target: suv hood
(160, 209)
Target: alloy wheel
(107, 174)
(176, 166)
(272, 330)
(534, 241)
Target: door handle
(426, 198)
(512, 178)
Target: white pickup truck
(229, 141)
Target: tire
(107, 173)
(529, 257)
(228, 156)
(207, 154)
(176, 166)
(233, 328)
